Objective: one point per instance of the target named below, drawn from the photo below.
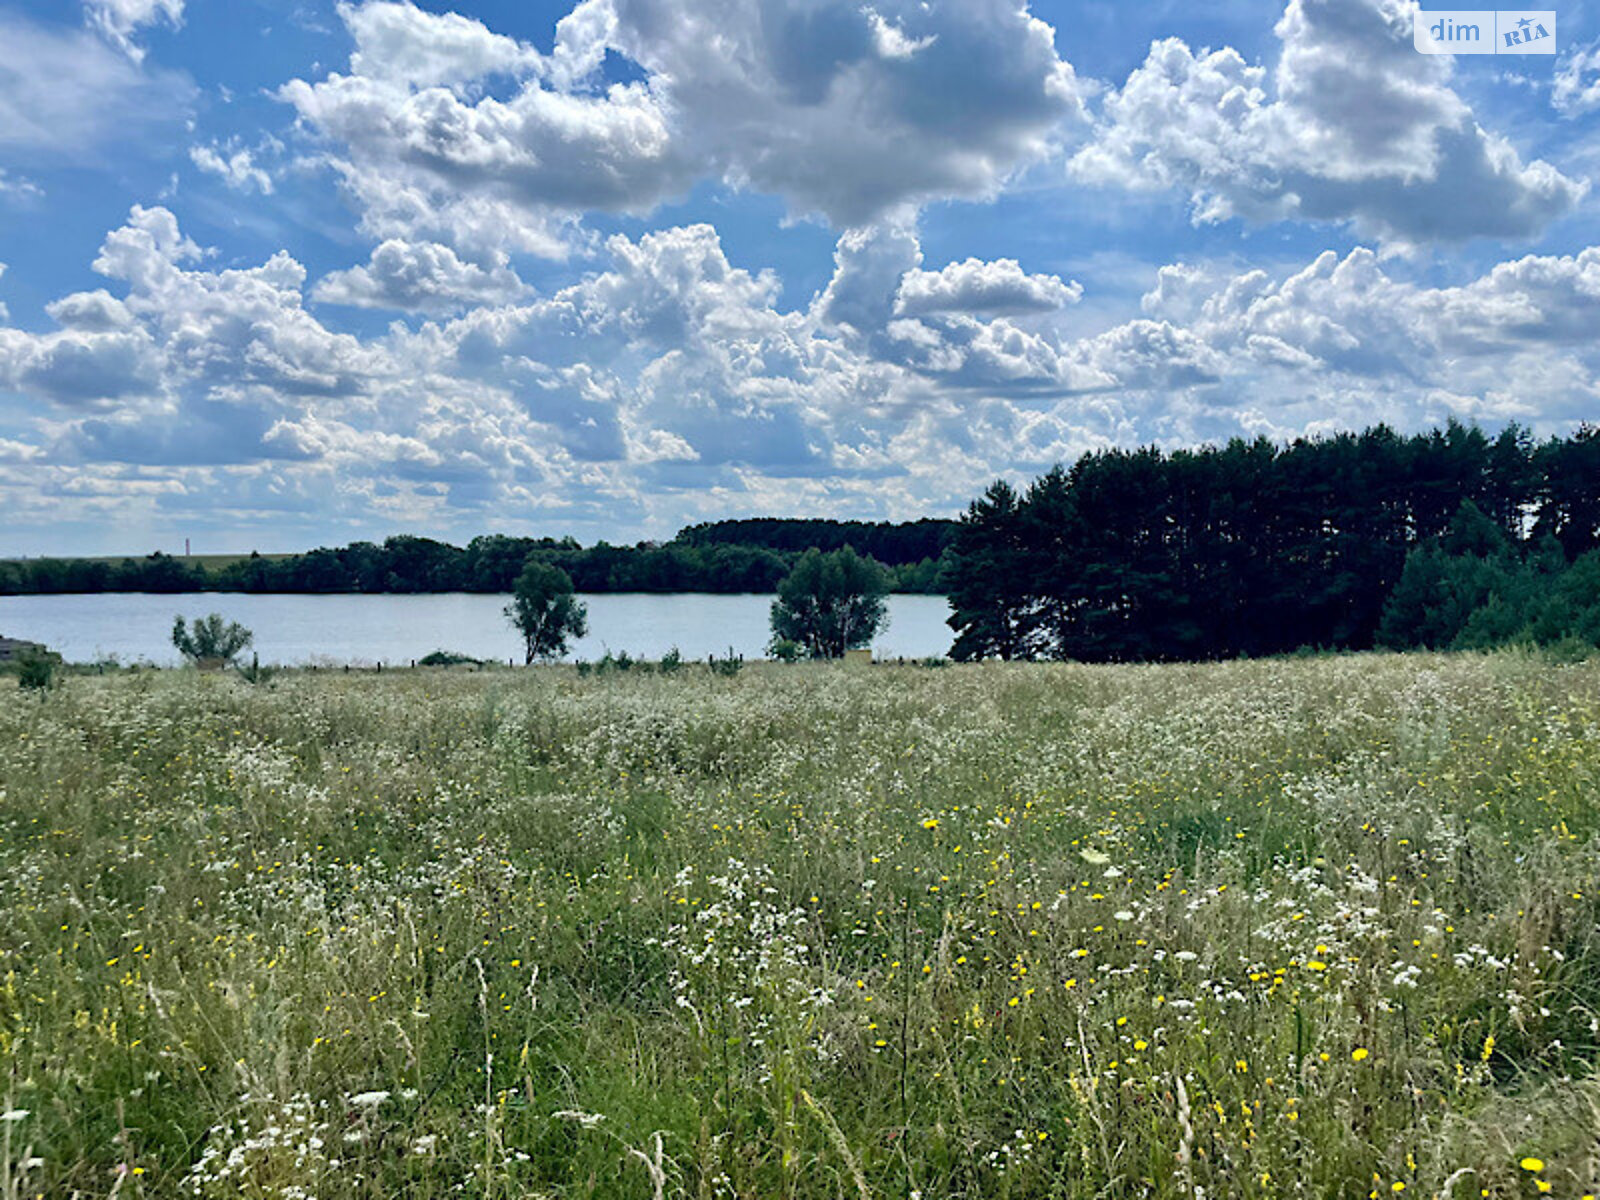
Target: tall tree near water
(545, 612)
(831, 603)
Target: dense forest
(728, 557)
(1473, 588)
(1260, 548)
(901, 545)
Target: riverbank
(331, 631)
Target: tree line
(1448, 538)
(1257, 547)
(905, 544)
(727, 557)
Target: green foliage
(213, 642)
(728, 666)
(727, 557)
(987, 580)
(1473, 590)
(671, 661)
(1257, 548)
(545, 612)
(830, 603)
(447, 658)
(786, 650)
(37, 672)
(255, 674)
(913, 545)
(1569, 650)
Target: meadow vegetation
(1312, 927)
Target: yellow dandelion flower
(1532, 1164)
(1359, 1053)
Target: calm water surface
(398, 629)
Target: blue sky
(280, 273)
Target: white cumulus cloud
(672, 382)
(236, 167)
(999, 287)
(419, 277)
(1576, 90)
(1352, 125)
(845, 112)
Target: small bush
(448, 658)
(36, 672)
(671, 661)
(727, 667)
(255, 673)
(1569, 650)
(213, 643)
(786, 650)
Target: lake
(394, 630)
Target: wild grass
(1323, 927)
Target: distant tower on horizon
(186, 547)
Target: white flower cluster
(275, 1150)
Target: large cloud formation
(842, 111)
(674, 383)
(1352, 125)
(419, 277)
(661, 380)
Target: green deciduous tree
(830, 603)
(544, 611)
(213, 641)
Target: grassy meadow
(1319, 927)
